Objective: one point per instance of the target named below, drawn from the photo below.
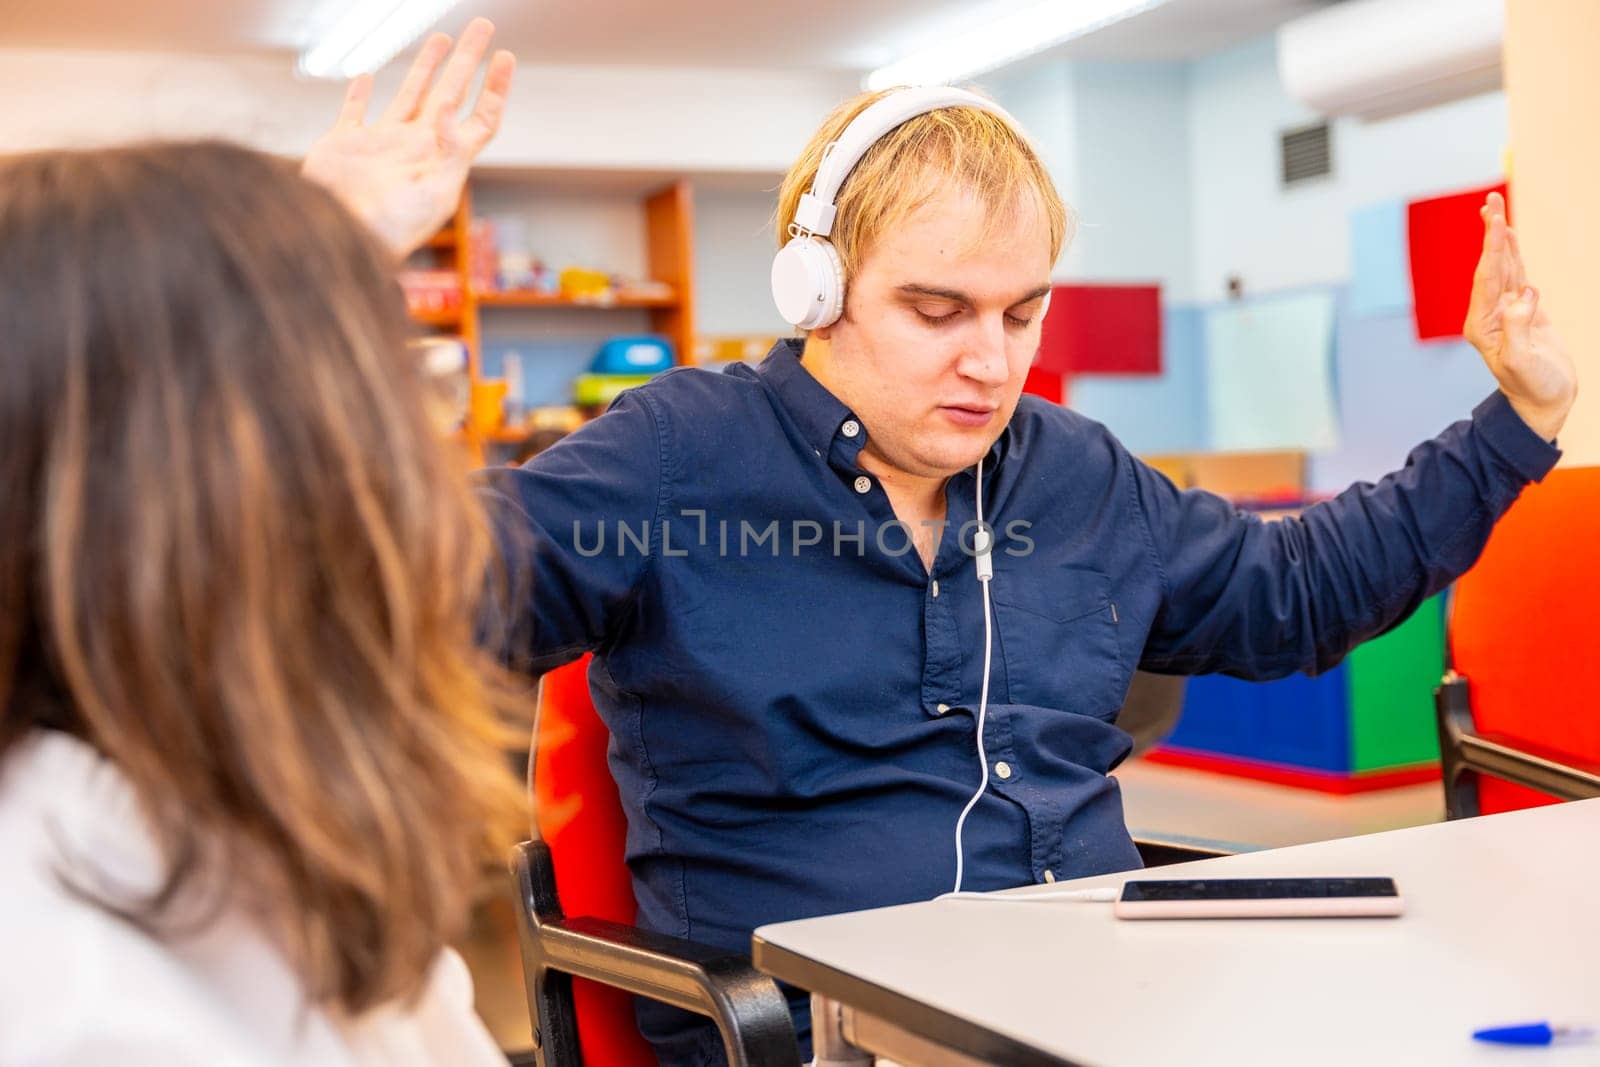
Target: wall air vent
(1305, 154)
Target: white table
(1502, 926)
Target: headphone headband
(815, 212)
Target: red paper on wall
(1445, 238)
(1102, 329)
(1046, 384)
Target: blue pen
(1535, 1034)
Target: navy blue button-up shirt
(792, 696)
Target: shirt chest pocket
(1059, 642)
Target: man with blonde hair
(783, 576)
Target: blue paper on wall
(1269, 374)
(1155, 413)
(1393, 393)
(1380, 273)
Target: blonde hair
(235, 559)
(961, 147)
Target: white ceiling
(817, 34)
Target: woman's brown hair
(234, 556)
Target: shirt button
(942, 708)
(1049, 876)
(850, 428)
(863, 484)
(1002, 769)
(936, 589)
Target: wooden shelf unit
(437, 318)
(448, 249)
(669, 246)
(534, 299)
(669, 255)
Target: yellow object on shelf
(486, 409)
(563, 417)
(739, 348)
(579, 284)
(598, 390)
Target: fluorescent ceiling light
(1006, 40)
(369, 35)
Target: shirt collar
(817, 412)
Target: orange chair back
(580, 818)
(1525, 627)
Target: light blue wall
(1041, 96)
(1393, 392)
(1114, 136)
(734, 243)
(1155, 413)
(1174, 170)
(1287, 238)
(1132, 190)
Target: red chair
(1519, 711)
(581, 973)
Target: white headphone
(807, 277)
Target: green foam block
(1391, 680)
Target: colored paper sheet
(1045, 384)
(1269, 375)
(1445, 239)
(1392, 393)
(1380, 276)
(1104, 329)
(1158, 413)
(1295, 721)
(1392, 679)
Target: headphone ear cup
(832, 304)
(808, 283)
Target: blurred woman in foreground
(250, 756)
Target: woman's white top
(80, 986)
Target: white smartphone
(1259, 898)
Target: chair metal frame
(750, 1012)
(1465, 755)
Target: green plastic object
(1392, 679)
(601, 389)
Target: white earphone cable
(1079, 896)
(983, 543)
